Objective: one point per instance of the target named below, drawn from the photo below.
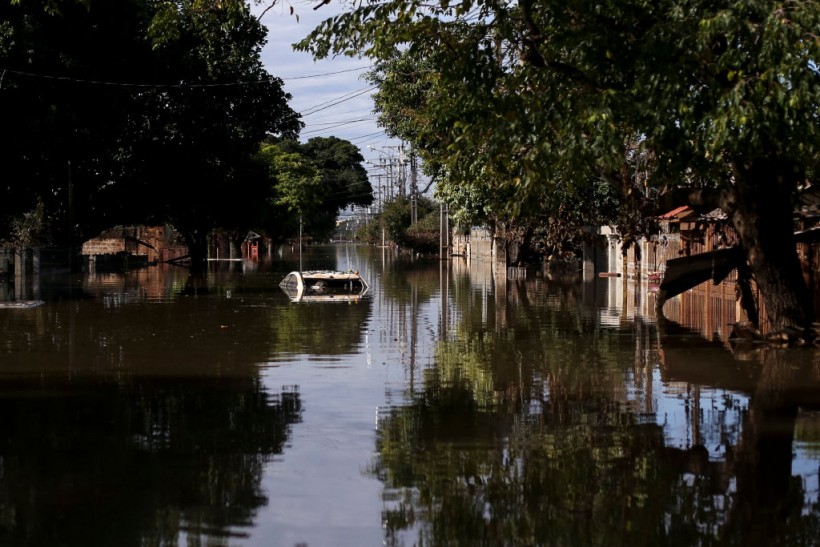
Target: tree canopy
(135, 111)
(315, 180)
(548, 98)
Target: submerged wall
(152, 242)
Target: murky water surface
(444, 408)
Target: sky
(331, 94)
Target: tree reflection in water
(547, 433)
(136, 417)
(136, 463)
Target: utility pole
(402, 161)
(444, 231)
(380, 201)
(390, 181)
(414, 190)
(71, 221)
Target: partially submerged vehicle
(21, 304)
(324, 286)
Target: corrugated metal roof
(716, 214)
(808, 205)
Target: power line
(6, 72)
(327, 73)
(342, 99)
(135, 84)
(87, 81)
(343, 124)
(368, 136)
(339, 122)
(331, 115)
(323, 103)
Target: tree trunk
(197, 241)
(765, 499)
(747, 299)
(761, 211)
(525, 252)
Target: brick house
(141, 244)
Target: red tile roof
(674, 212)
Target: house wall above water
(146, 244)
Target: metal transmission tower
(394, 164)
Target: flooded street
(444, 407)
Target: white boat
(324, 286)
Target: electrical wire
(344, 124)
(342, 99)
(6, 72)
(86, 81)
(323, 103)
(327, 73)
(340, 122)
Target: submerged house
(133, 246)
(684, 238)
(681, 232)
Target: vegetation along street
(534, 118)
(573, 302)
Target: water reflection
(137, 462)
(542, 423)
(135, 415)
(319, 328)
(149, 408)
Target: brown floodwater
(445, 407)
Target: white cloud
(331, 94)
(316, 85)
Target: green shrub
(424, 236)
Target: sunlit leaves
(297, 182)
(315, 180)
(554, 88)
(164, 27)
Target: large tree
(318, 179)
(344, 178)
(137, 111)
(720, 96)
(413, 106)
(295, 189)
(60, 108)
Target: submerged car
(324, 286)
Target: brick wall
(148, 241)
(103, 246)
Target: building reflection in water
(537, 411)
